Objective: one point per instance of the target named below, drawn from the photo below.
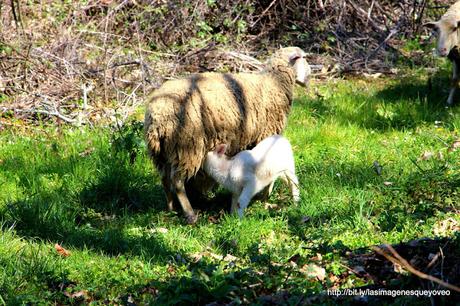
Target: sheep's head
(448, 34)
(292, 57)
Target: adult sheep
(186, 118)
(448, 32)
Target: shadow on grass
(95, 214)
(98, 213)
(276, 284)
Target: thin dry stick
(397, 259)
(263, 13)
(141, 58)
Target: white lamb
(250, 171)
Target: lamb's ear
(220, 149)
(431, 24)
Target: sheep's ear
(294, 56)
(220, 149)
(301, 67)
(431, 24)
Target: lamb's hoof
(191, 219)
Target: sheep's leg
(183, 200)
(454, 81)
(167, 186)
(169, 195)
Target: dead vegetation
(78, 62)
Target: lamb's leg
(234, 208)
(292, 180)
(454, 81)
(270, 188)
(249, 190)
(183, 200)
(265, 193)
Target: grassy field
(375, 163)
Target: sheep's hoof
(191, 219)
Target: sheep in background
(187, 118)
(250, 171)
(448, 43)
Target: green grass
(95, 192)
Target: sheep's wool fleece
(453, 13)
(186, 118)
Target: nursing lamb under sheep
(250, 171)
(448, 32)
(187, 118)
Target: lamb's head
(215, 159)
(293, 57)
(448, 34)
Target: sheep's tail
(153, 140)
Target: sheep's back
(453, 12)
(187, 118)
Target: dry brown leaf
(270, 206)
(196, 257)
(61, 250)
(318, 257)
(398, 269)
(213, 219)
(76, 295)
(171, 269)
(333, 278)
(87, 152)
(230, 257)
(440, 156)
(446, 227)
(454, 146)
(162, 230)
(314, 271)
(271, 238)
(426, 155)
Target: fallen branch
(44, 112)
(397, 259)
